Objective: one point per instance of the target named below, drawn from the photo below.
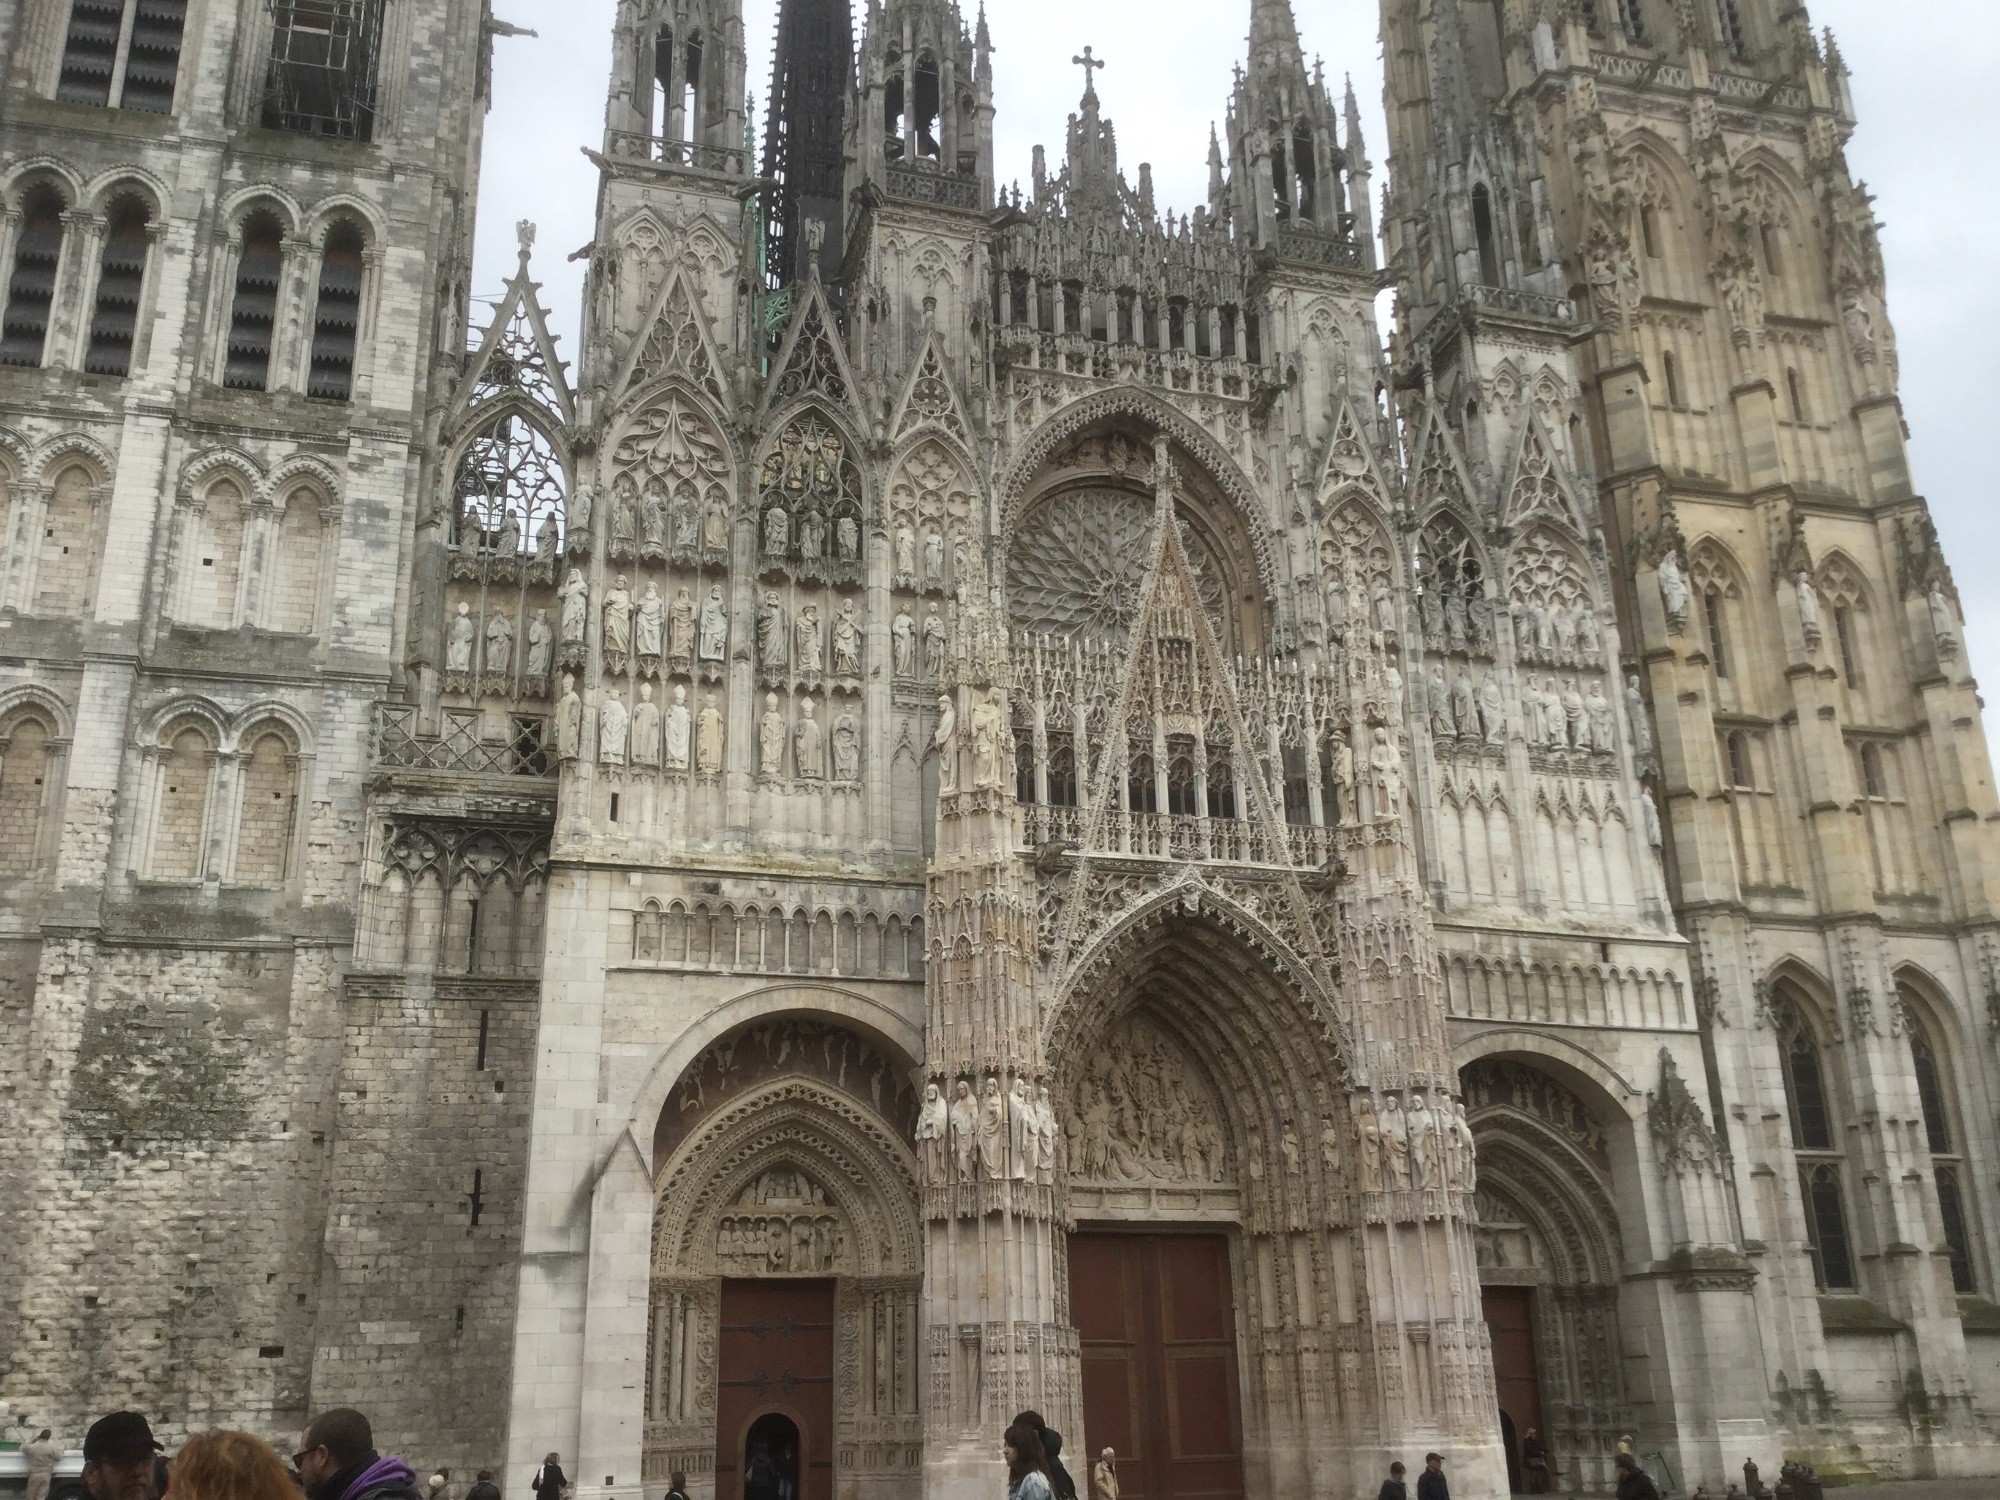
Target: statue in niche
(541, 645)
(499, 644)
(847, 537)
(1464, 704)
(1329, 1147)
(1603, 718)
(1426, 1145)
(1635, 716)
(548, 540)
(1674, 595)
(937, 641)
(613, 724)
(1385, 610)
(686, 525)
(1493, 710)
(993, 1131)
(1545, 636)
(811, 654)
(1576, 719)
(964, 1130)
(1431, 608)
(679, 728)
(1944, 625)
(653, 520)
(1368, 1126)
(1468, 1152)
(1589, 637)
(903, 644)
(646, 729)
(1385, 762)
(1395, 1146)
(1480, 621)
(777, 532)
(1455, 632)
(507, 540)
(579, 510)
(569, 721)
(771, 739)
(847, 642)
(846, 749)
(933, 1132)
(575, 602)
(1563, 622)
(714, 625)
(1024, 1136)
(1290, 1150)
(812, 536)
(458, 643)
(1438, 697)
(715, 525)
(808, 746)
(987, 722)
(680, 627)
(1649, 814)
(624, 520)
(708, 739)
(1051, 1136)
(1336, 607)
(906, 553)
(946, 741)
(933, 557)
(651, 621)
(1524, 632)
(618, 619)
(773, 646)
(1343, 774)
(1555, 718)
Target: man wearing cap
(337, 1461)
(1634, 1483)
(120, 1459)
(1430, 1483)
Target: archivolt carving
(1140, 1111)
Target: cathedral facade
(996, 797)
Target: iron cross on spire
(1090, 65)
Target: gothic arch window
(1182, 798)
(27, 787)
(1483, 229)
(1062, 771)
(253, 308)
(1649, 229)
(1805, 1080)
(121, 280)
(1873, 784)
(1742, 776)
(1944, 1140)
(267, 814)
(66, 565)
(1814, 1143)
(1221, 784)
(1795, 391)
(123, 52)
(183, 786)
(1713, 612)
(508, 496)
(1844, 629)
(1670, 368)
(337, 312)
(1632, 20)
(31, 281)
(1142, 792)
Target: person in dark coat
(485, 1489)
(1431, 1483)
(677, 1486)
(1063, 1487)
(550, 1481)
(1393, 1487)
(1535, 1462)
(337, 1461)
(1633, 1482)
(121, 1459)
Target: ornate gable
(811, 361)
(929, 397)
(1538, 490)
(517, 357)
(675, 341)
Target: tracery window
(1632, 16)
(1482, 227)
(121, 278)
(1947, 1161)
(123, 52)
(1730, 14)
(1813, 1144)
(509, 490)
(1182, 798)
(1062, 771)
(1142, 789)
(1712, 614)
(1221, 785)
(31, 283)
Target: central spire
(1274, 39)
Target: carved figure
(541, 645)
(646, 729)
(569, 721)
(1635, 717)
(499, 644)
(680, 627)
(1368, 1126)
(624, 522)
(937, 639)
(812, 536)
(993, 1131)
(808, 745)
(1944, 625)
(1674, 594)
(653, 520)
(946, 741)
(1603, 718)
(1589, 637)
(1464, 704)
(613, 723)
(1808, 597)
(714, 625)
(1649, 813)
(1493, 710)
(1468, 1153)
(1438, 696)
(847, 642)
(575, 597)
(933, 557)
(846, 749)
(548, 539)
(811, 641)
(708, 739)
(906, 553)
(1385, 761)
(964, 1130)
(847, 538)
(458, 645)
(773, 642)
(618, 618)
(1050, 1134)
(1576, 723)
(1426, 1145)
(987, 722)
(771, 739)
(651, 621)
(1024, 1137)
(1395, 1146)
(777, 532)
(679, 731)
(903, 644)
(715, 525)
(933, 1132)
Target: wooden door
(1516, 1381)
(1157, 1321)
(776, 1355)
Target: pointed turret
(918, 61)
(1288, 168)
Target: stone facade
(1017, 728)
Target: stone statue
(679, 730)
(714, 625)
(1343, 773)
(1589, 637)
(1369, 1128)
(1603, 718)
(653, 520)
(1635, 717)
(618, 618)
(579, 509)
(680, 627)
(1051, 1135)
(964, 1130)
(812, 536)
(1426, 1145)
(1808, 598)
(1464, 704)
(569, 721)
(1649, 814)
(1468, 1152)
(1576, 723)
(933, 1135)
(613, 723)
(1480, 612)
(651, 621)
(771, 739)
(548, 539)
(686, 525)
(1385, 610)
(575, 597)
(903, 644)
(933, 557)
(1674, 593)
(646, 729)
(1024, 1138)
(906, 552)
(937, 640)
(1944, 627)
(499, 644)
(1493, 710)
(808, 744)
(946, 741)
(1385, 762)
(708, 739)
(1563, 623)
(1555, 721)
(1431, 608)
(847, 539)
(541, 645)
(1395, 1146)
(715, 525)
(777, 532)
(993, 1131)
(811, 642)
(1438, 696)
(988, 721)
(458, 644)
(847, 642)
(773, 643)
(846, 749)
(624, 522)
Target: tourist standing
(337, 1461)
(120, 1459)
(485, 1488)
(42, 1453)
(1027, 1464)
(677, 1486)
(1059, 1477)
(1393, 1487)
(550, 1481)
(230, 1466)
(1431, 1483)
(1535, 1462)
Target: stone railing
(934, 185)
(1532, 304)
(728, 161)
(460, 747)
(1321, 249)
(1182, 838)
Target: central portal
(1158, 1327)
(774, 1391)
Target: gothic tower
(812, 76)
(236, 244)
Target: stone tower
(236, 245)
(1661, 190)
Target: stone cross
(1090, 64)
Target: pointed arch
(811, 360)
(674, 341)
(930, 397)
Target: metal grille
(325, 56)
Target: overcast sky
(1923, 84)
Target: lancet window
(506, 542)
(121, 278)
(1814, 1143)
(1943, 1138)
(123, 52)
(31, 281)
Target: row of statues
(651, 629)
(643, 736)
(496, 660)
(1415, 1146)
(999, 1136)
(651, 525)
(1557, 635)
(814, 753)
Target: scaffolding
(325, 57)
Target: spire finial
(1090, 63)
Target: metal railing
(694, 156)
(461, 746)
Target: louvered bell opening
(337, 322)
(30, 292)
(120, 280)
(90, 52)
(252, 317)
(153, 63)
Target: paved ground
(1935, 1489)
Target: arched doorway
(787, 1267)
(1547, 1239)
